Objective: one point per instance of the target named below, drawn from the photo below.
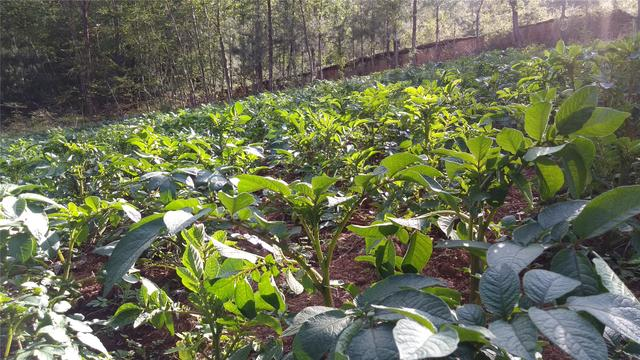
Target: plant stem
(7, 348)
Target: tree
(514, 22)
(270, 40)
(414, 18)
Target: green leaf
(415, 341)
(542, 286)
(620, 313)
(296, 287)
(125, 315)
(479, 146)
(92, 341)
(608, 210)
(397, 313)
(603, 122)
(471, 314)
(178, 220)
(427, 305)
(527, 233)
(473, 334)
(397, 162)
(570, 332)
(320, 184)
(244, 298)
(577, 158)
(417, 223)
(193, 261)
(253, 183)
(510, 139)
(536, 152)
(270, 294)
(21, 247)
(610, 280)
(235, 203)
(500, 290)
(392, 284)
(318, 334)
(576, 109)
(559, 212)
(130, 247)
(576, 266)
(513, 255)
(244, 352)
(386, 258)
(233, 253)
(418, 253)
(518, 337)
(374, 343)
(304, 315)
(536, 118)
(550, 178)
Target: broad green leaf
(344, 339)
(244, 352)
(40, 198)
(500, 290)
(510, 139)
(471, 314)
(318, 334)
(392, 284)
(416, 223)
(602, 122)
(21, 247)
(397, 313)
(620, 313)
(253, 183)
(130, 247)
(430, 306)
(610, 280)
(550, 178)
(233, 253)
(518, 337)
(270, 293)
(235, 203)
(178, 220)
(374, 343)
(606, 211)
(386, 258)
(570, 332)
(125, 315)
(542, 286)
(193, 261)
(559, 212)
(296, 287)
(92, 341)
(576, 109)
(415, 341)
(576, 160)
(479, 146)
(321, 184)
(418, 253)
(37, 223)
(576, 266)
(244, 298)
(473, 334)
(513, 255)
(397, 162)
(536, 152)
(536, 118)
(304, 315)
(527, 233)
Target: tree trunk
(438, 4)
(413, 32)
(270, 40)
(477, 22)
(638, 17)
(396, 47)
(306, 41)
(196, 32)
(514, 22)
(257, 48)
(86, 72)
(223, 56)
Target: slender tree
(414, 18)
(514, 22)
(270, 45)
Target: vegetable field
(484, 208)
